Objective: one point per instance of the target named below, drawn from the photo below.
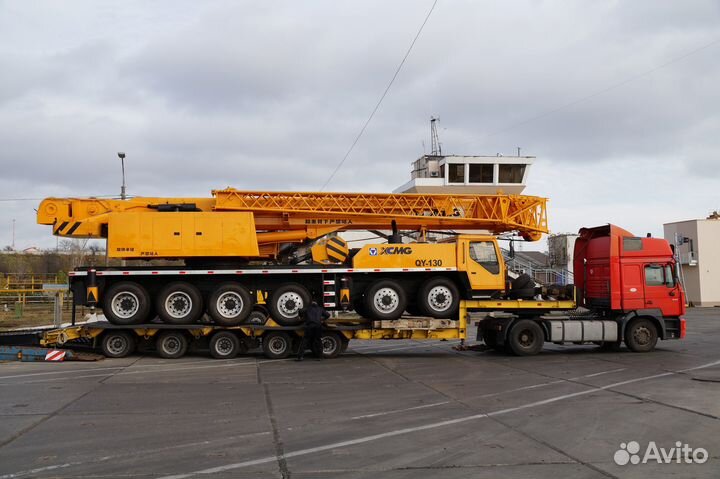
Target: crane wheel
(171, 344)
(286, 302)
(385, 299)
(276, 345)
(126, 303)
(117, 344)
(230, 304)
(225, 345)
(525, 338)
(438, 298)
(179, 303)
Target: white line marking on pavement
(550, 383)
(435, 425)
(125, 373)
(399, 410)
(130, 454)
(70, 371)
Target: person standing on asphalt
(314, 316)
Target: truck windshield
(483, 253)
(659, 275)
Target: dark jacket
(314, 315)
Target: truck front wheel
(438, 298)
(641, 335)
(126, 303)
(526, 338)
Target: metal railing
(541, 273)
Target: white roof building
(468, 174)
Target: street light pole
(121, 155)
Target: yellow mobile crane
(238, 242)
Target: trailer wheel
(385, 299)
(332, 345)
(438, 298)
(225, 345)
(126, 303)
(171, 344)
(286, 302)
(230, 304)
(117, 344)
(526, 338)
(179, 303)
(641, 335)
(276, 345)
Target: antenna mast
(436, 146)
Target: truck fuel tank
(582, 331)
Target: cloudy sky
(618, 100)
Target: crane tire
(179, 303)
(385, 300)
(286, 302)
(438, 298)
(230, 304)
(126, 303)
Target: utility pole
(13, 237)
(121, 155)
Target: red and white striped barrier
(55, 355)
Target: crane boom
(497, 213)
(269, 219)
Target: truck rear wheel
(179, 303)
(225, 345)
(385, 299)
(126, 303)
(230, 304)
(438, 298)
(286, 302)
(526, 338)
(641, 335)
(171, 344)
(117, 344)
(276, 345)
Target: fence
(541, 273)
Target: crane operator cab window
(483, 253)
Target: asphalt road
(404, 409)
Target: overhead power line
(382, 97)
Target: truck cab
(621, 274)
